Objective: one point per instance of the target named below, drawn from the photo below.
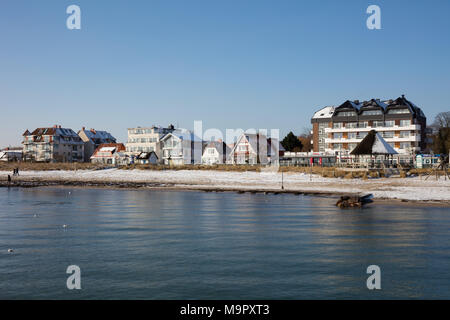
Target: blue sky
(233, 64)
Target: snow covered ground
(391, 188)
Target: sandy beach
(411, 188)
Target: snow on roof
(184, 135)
(108, 149)
(102, 135)
(373, 143)
(324, 113)
(380, 146)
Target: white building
(146, 140)
(254, 149)
(147, 158)
(181, 147)
(215, 152)
(110, 153)
(11, 154)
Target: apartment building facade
(400, 122)
(146, 139)
(55, 144)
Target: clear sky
(231, 63)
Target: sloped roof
(146, 155)
(184, 135)
(324, 113)
(373, 144)
(65, 132)
(99, 135)
(219, 146)
(109, 147)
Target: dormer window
(398, 111)
(346, 114)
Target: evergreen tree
(291, 143)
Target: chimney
(84, 128)
(403, 96)
(55, 126)
(59, 126)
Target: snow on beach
(412, 188)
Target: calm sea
(193, 245)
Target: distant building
(110, 153)
(147, 158)
(11, 154)
(146, 140)
(215, 152)
(53, 144)
(254, 149)
(181, 147)
(93, 139)
(400, 122)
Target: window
(352, 146)
(363, 124)
(404, 134)
(361, 135)
(337, 135)
(398, 111)
(405, 123)
(337, 125)
(337, 146)
(371, 112)
(389, 123)
(388, 134)
(351, 125)
(346, 114)
(405, 145)
(352, 135)
(377, 124)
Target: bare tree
(442, 120)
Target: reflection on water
(194, 245)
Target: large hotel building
(339, 129)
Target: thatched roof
(373, 144)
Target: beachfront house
(146, 139)
(11, 154)
(147, 158)
(252, 149)
(181, 147)
(110, 153)
(55, 144)
(215, 152)
(93, 139)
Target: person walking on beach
(9, 179)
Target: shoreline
(34, 182)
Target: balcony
(412, 127)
